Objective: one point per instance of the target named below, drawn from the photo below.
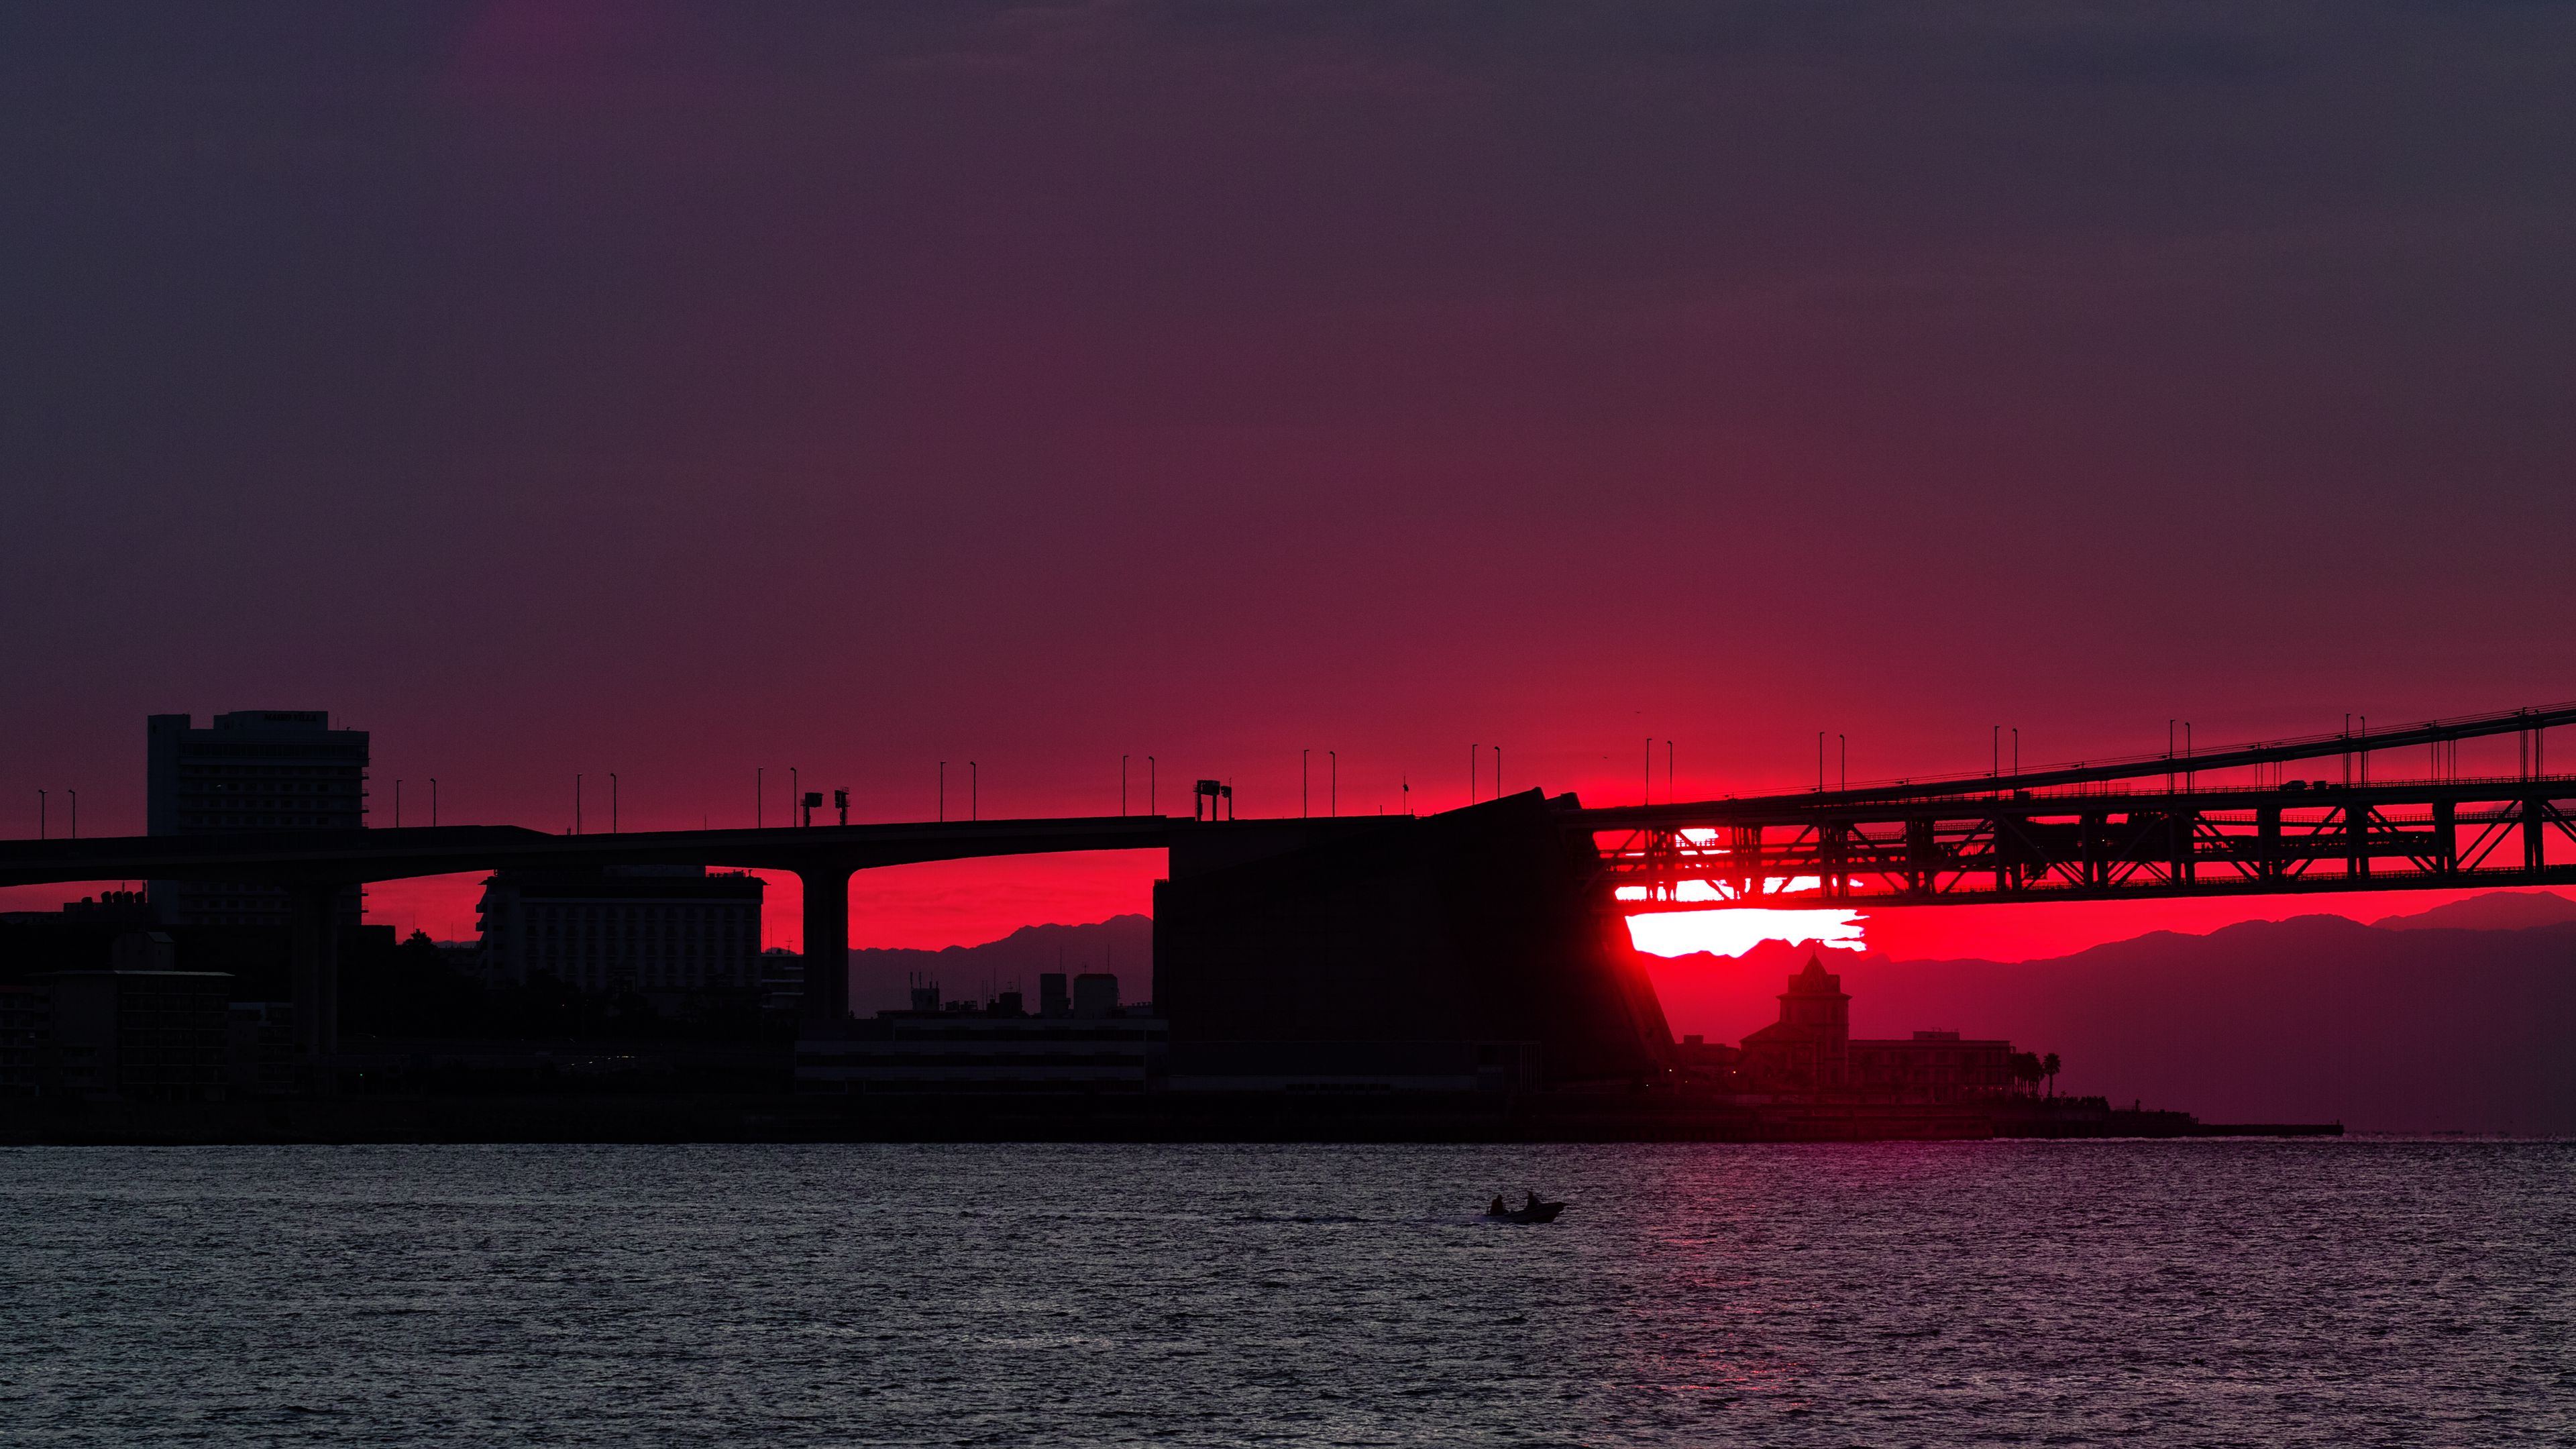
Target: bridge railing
(2331, 744)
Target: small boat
(1532, 1212)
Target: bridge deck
(355, 856)
(1957, 848)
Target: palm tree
(2025, 1069)
(2048, 1069)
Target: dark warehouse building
(1454, 952)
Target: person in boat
(1532, 1204)
(1498, 1209)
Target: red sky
(678, 391)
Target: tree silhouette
(2048, 1068)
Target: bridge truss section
(2098, 843)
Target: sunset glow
(1732, 933)
(1404, 723)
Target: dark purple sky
(557, 387)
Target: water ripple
(2354, 1292)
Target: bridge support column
(1922, 855)
(827, 942)
(313, 962)
(1744, 860)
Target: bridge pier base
(827, 942)
(313, 962)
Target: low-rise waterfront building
(950, 1051)
(665, 932)
(1810, 1049)
(782, 980)
(148, 1035)
(1933, 1066)
(259, 1049)
(22, 1038)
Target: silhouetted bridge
(2081, 832)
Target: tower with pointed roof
(1809, 1047)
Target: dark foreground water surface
(2354, 1292)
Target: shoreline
(728, 1117)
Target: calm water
(2354, 1292)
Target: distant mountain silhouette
(2494, 911)
(2319, 1018)
(1123, 945)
